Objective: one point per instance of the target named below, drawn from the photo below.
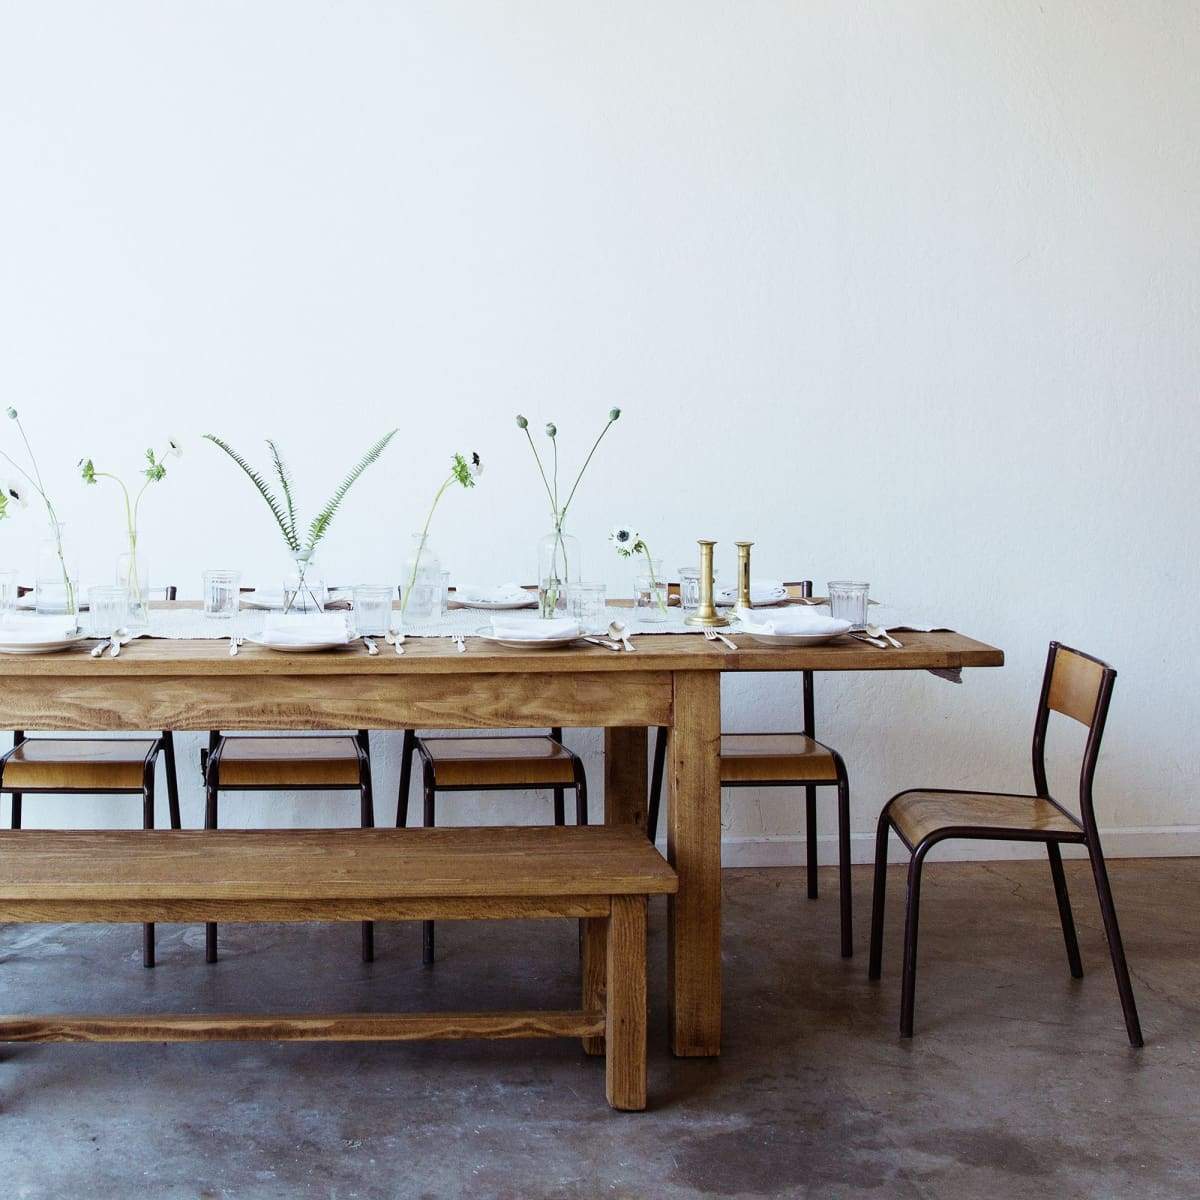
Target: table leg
(625, 780)
(694, 849)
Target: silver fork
(461, 643)
(711, 635)
(370, 645)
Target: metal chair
(783, 760)
(466, 763)
(1080, 687)
(80, 766)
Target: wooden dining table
(670, 680)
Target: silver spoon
(395, 638)
(618, 632)
(370, 645)
(878, 631)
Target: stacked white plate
(38, 635)
(532, 633)
(795, 625)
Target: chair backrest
(1080, 687)
(169, 593)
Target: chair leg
(810, 838)
(878, 895)
(168, 743)
(1133, 1027)
(1064, 909)
(656, 782)
(408, 750)
(844, 867)
(430, 821)
(367, 821)
(148, 823)
(210, 822)
(581, 801)
(908, 985)
(16, 810)
(560, 810)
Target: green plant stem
(537, 458)
(421, 546)
(659, 594)
(133, 582)
(587, 460)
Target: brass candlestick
(743, 583)
(707, 613)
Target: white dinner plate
(26, 603)
(791, 639)
(527, 643)
(297, 647)
(274, 599)
(497, 605)
(729, 602)
(50, 646)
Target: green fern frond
(285, 480)
(321, 522)
(264, 490)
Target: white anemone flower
(625, 540)
(476, 466)
(175, 447)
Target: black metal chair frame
(1087, 835)
(211, 766)
(414, 745)
(842, 783)
(164, 744)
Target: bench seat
(603, 875)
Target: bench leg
(594, 945)
(625, 1023)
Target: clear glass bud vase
(134, 576)
(304, 589)
(559, 568)
(421, 583)
(56, 585)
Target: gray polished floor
(1019, 1082)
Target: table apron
(468, 701)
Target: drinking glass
(586, 602)
(109, 606)
(373, 609)
(650, 598)
(222, 590)
(444, 595)
(689, 587)
(848, 602)
(8, 592)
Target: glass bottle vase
(559, 568)
(304, 589)
(134, 576)
(56, 584)
(421, 586)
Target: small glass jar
(650, 594)
(108, 608)
(848, 602)
(222, 594)
(559, 567)
(689, 587)
(134, 576)
(8, 592)
(304, 589)
(444, 594)
(372, 609)
(420, 591)
(56, 584)
(587, 606)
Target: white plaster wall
(902, 292)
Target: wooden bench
(602, 875)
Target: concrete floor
(1020, 1081)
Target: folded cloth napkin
(290, 628)
(504, 593)
(534, 629)
(15, 628)
(762, 591)
(795, 620)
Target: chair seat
(917, 815)
(534, 761)
(279, 762)
(775, 758)
(78, 764)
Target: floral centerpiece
(627, 542)
(15, 497)
(304, 593)
(558, 560)
(462, 471)
(155, 471)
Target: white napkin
(504, 593)
(16, 628)
(290, 628)
(795, 619)
(762, 591)
(534, 629)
